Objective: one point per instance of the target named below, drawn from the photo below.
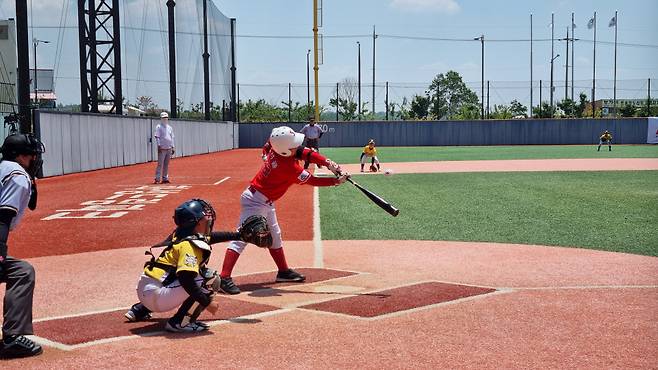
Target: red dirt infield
(400, 303)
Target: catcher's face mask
(210, 214)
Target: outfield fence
(77, 142)
(488, 132)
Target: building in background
(45, 84)
(8, 67)
(607, 105)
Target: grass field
(463, 153)
(614, 211)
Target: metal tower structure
(100, 55)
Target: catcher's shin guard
(188, 312)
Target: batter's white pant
(158, 298)
(366, 159)
(257, 204)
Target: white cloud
(439, 6)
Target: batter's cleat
(138, 312)
(191, 327)
(19, 346)
(227, 286)
(165, 181)
(289, 275)
(156, 181)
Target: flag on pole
(613, 22)
(590, 24)
(573, 25)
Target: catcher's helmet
(285, 140)
(188, 214)
(16, 144)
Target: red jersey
(278, 173)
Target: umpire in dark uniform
(312, 134)
(21, 160)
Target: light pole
(359, 79)
(36, 42)
(552, 87)
(481, 38)
(308, 83)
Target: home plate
(337, 289)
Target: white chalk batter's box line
(120, 203)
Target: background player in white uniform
(312, 134)
(21, 160)
(164, 138)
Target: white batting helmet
(284, 140)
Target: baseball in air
(388, 172)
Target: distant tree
(448, 94)
(627, 110)
(582, 104)
(546, 111)
(568, 107)
(347, 99)
(145, 103)
(419, 107)
(518, 109)
(501, 111)
(261, 111)
(467, 112)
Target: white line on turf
(318, 252)
(222, 180)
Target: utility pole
(23, 81)
(315, 60)
(172, 58)
(374, 37)
(359, 78)
(387, 100)
(566, 69)
(488, 99)
(337, 105)
(481, 38)
(552, 56)
(594, 70)
(308, 83)
(206, 65)
(573, 49)
(289, 102)
(540, 104)
(233, 107)
(614, 89)
(531, 87)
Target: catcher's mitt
(373, 168)
(254, 230)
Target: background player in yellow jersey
(179, 276)
(370, 152)
(605, 138)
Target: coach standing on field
(313, 134)
(21, 160)
(164, 137)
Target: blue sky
(405, 62)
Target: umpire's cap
(16, 144)
(188, 214)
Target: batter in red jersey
(281, 169)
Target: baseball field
(501, 257)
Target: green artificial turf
(462, 153)
(614, 211)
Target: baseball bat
(386, 206)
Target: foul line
(318, 252)
(222, 180)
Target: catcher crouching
(179, 276)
